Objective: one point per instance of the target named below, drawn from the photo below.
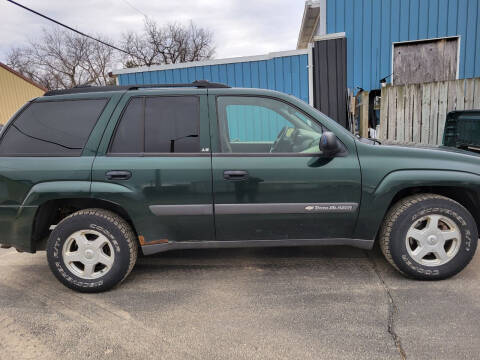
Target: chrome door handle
(118, 175)
(235, 175)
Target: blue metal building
(285, 71)
(372, 27)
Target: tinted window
(52, 128)
(159, 125)
(264, 125)
(172, 119)
(129, 135)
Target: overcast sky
(240, 27)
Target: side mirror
(329, 144)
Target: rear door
(270, 181)
(155, 162)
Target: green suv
(95, 175)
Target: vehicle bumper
(16, 223)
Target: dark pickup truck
(95, 175)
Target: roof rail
(201, 84)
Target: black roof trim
(201, 84)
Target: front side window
(53, 128)
(264, 125)
(160, 124)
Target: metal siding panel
(395, 21)
(358, 46)
(287, 74)
(215, 73)
(169, 76)
(262, 74)
(199, 73)
(423, 16)
(223, 71)
(147, 77)
(477, 49)
(254, 74)
(176, 76)
(295, 68)
(183, 78)
(230, 74)
(304, 95)
(339, 15)
(442, 18)
(433, 18)
(192, 72)
(271, 74)
(386, 43)
(375, 49)
(154, 76)
(405, 19)
(139, 78)
(349, 14)
(367, 44)
(207, 73)
(470, 38)
(279, 81)
(238, 74)
(452, 17)
(414, 19)
(247, 75)
(462, 30)
(331, 17)
(123, 79)
(162, 77)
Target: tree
(62, 59)
(169, 44)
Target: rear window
(53, 128)
(159, 124)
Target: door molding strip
(254, 208)
(285, 208)
(190, 209)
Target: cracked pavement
(275, 303)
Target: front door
(155, 163)
(270, 182)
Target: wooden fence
(416, 113)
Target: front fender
(377, 199)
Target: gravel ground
(282, 303)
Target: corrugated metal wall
(288, 74)
(14, 93)
(372, 25)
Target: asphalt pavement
(275, 303)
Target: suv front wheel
(428, 237)
(92, 250)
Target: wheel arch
(459, 186)
(51, 212)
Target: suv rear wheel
(428, 236)
(92, 250)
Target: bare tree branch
(62, 59)
(169, 44)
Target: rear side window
(161, 124)
(53, 128)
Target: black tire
(411, 210)
(121, 246)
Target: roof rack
(201, 84)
